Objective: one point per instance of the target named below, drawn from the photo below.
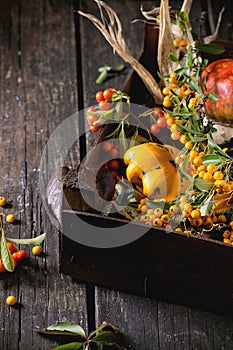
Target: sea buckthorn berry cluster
(104, 104)
(179, 43)
(17, 255)
(160, 121)
(158, 217)
(110, 148)
(228, 234)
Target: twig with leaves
(106, 334)
(5, 253)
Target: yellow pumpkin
(151, 167)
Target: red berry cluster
(104, 103)
(160, 121)
(17, 255)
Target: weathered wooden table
(48, 67)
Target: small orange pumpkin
(219, 79)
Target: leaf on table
(109, 338)
(7, 259)
(69, 346)
(31, 241)
(104, 325)
(64, 328)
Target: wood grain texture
(148, 324)
(38, 91)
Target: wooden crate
(168, 266)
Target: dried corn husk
(111, 29)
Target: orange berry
(11, 300)
(195, 214)
(218, 175)
(2, 201)
(197, 161)
(207, 176)
(222, 218)
(10, 218)
(211, 168)
(183, 42)
(183, 139)
(188, 145)
(166, 90)
(2, 267)
(36, 250)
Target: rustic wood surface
(38, 89)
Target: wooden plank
(38, 91)
(148, 324)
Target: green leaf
(106, 337)
(102, 326)
(173, 57)
(212, 96)
(215, 49)
(118, 69)
(69, 346)
(31, 241)
(215, 147)
(194, 86)
(184, 16)
(197, 138)
(7, 259)
(205, 208)
(64, 328)
(203, 185)
(102, 69)
(102, 77)
(213, 159)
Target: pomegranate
(219, 79)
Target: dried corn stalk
(111, 29)
(165, 45)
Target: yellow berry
(211, 168)
(195, 214)
(166, 90)
(188, 145)
(197, 161)
(175, 136)
(173, 209)
(222, 219)
(158, 212)
(193, 154)
(201, 167)
(201, 174)
(218, 175)
(2, 201)
(207, 176)
(178, 229)
(11, 300)
(176, 43)
(36, 250)
(188, 92)
(187, 207)
(157, 222)
(10, 218)
(167, 103)
(183, 139)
